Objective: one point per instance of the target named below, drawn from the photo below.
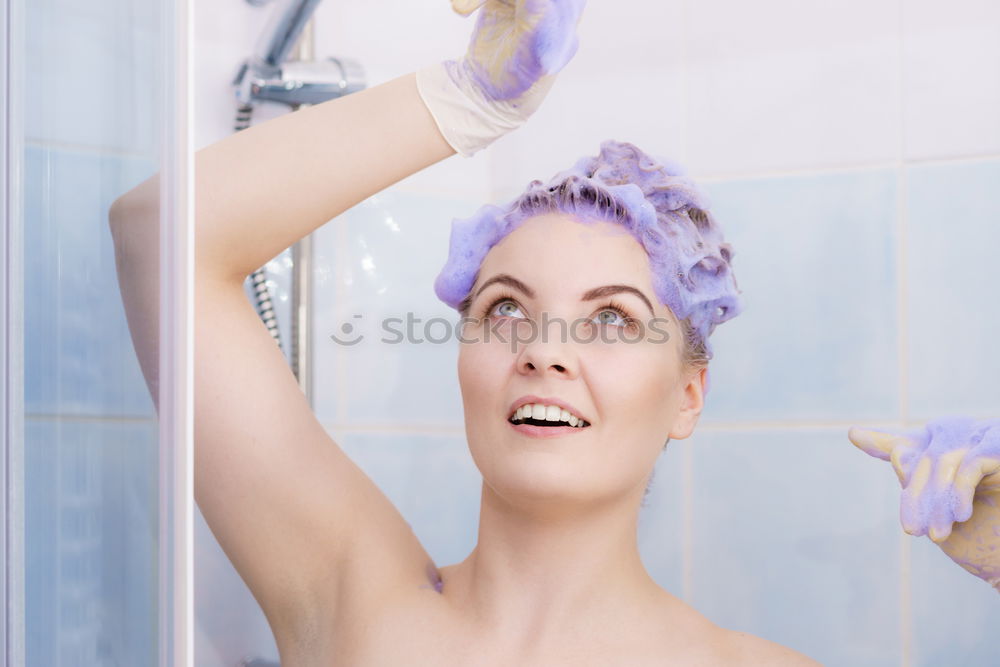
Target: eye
(504, 302)
(507, 304)
(614, 315)
(618, 316)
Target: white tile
(627, 36)
(456, 177)
(234, 21)
(393, 246)
(625, 83)
(782, 84)
(391, 37)
(951, 78)
(642, 107)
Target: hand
(517, 42)
(950, 474)
(517, 47)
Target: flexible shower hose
(262, 295)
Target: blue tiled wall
(815, 260)
(869, 293)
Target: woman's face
(627, 382)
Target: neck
(552, 576)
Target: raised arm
(264, 188)
(260, 190)
(276, 491)
(305, 528)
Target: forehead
(559, 250)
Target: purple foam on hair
(653, 199)
(546, 49)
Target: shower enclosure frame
(11, 340)
(175, 615)
(176, 329)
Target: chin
(547, 480)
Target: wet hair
(655, 201)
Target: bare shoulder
(693, 639)
(742, 648)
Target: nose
(547, 352)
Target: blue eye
(624, 318)
(620, 317)
(501, 303)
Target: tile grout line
(685, 82)
(687, 520)
(97, 150)
(687, 481)
(724, 177)
(902, 333)
(64, 417)
(340, 372)
(841, 169)
(906, 603)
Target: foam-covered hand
(516, 43)
(517, 47)
(950, 474)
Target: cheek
(634, 381)
(480, 373)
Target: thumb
(466, 7)
(878, 443)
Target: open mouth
(542, 414)
(531, 421)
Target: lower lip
(546, 431)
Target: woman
(555, 577)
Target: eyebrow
(589, 295)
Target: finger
(966, 481)
(991, 474)
(913, 506)
(979, 474)
(466, 7)
(988, 452)
(944, 497)
(556, 35)
(902, 463)
(878, 443)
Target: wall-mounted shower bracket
(297, 82)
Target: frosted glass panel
(92, 105)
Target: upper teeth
(552, 413)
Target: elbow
(139, 207)
(115, 219)
(124, 223)
(134, 225)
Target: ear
(692, 402)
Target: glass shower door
(97, 519)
